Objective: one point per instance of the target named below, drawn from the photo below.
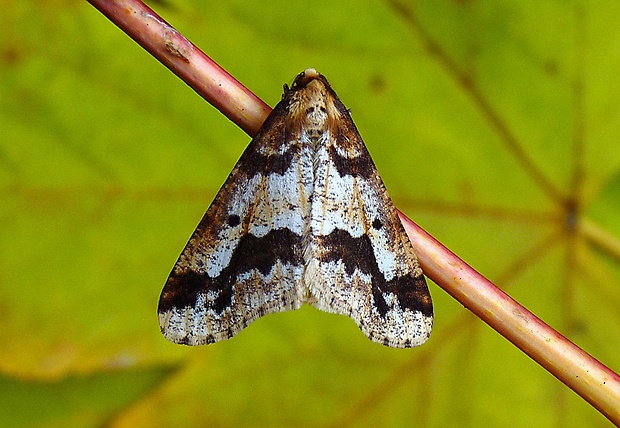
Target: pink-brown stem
(593, 381)
(188, 62)
(585, 375)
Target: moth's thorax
(313, 111)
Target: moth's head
(312, 103)
(306, 76)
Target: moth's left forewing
(245, 258)
(364, 264)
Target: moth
(302, 218)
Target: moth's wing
(363, 263)
(245, 258)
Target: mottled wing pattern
(363, 264)
(303, 217)
(245, 258)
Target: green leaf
(493, 124)
(75, 401)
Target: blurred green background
(495, 126)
